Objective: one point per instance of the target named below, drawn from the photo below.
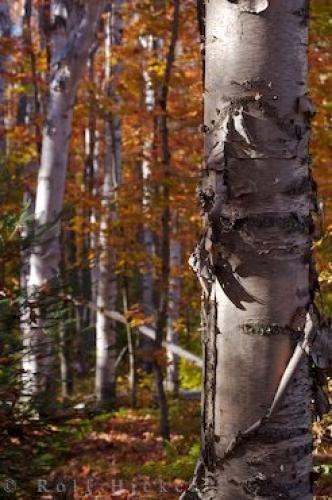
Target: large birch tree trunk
(73, 33)
(107, 284)
(254, 258)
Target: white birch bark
(149, 43)
(73, 33)
(105, 383)
(28, 358)
(254, 259)
(28, 108)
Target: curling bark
(254, 259)
(73, 34)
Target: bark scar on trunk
(313, 344)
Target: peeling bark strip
(254, 259)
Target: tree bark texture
(73, 33)
(254, 258)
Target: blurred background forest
(126, 236)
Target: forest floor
(117, 455)
(109, 455)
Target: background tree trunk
(165, 158)
(172, 381)
(73, 33)
(147, 278)
(132, 370)
(26, 115)
(5, 32)
(107, 279)
(254, 257)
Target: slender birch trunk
(147, 279)
(5, 32)
(172, 382)
(28, 358)
(28, 115)
(35, 98)
(43, 9)
(174, 294)
(132, 373)
(87, 269)
(68, 334)
(107, 284)
(66, 345)
(162, 317)
(254, 258)
(73, 33)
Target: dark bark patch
(299, 187)
(269, 435)
(306, 106)
(200, 262)
(231, 286)
(289, 223)
(302, 293)
(303, 14)
(190, 495)
(255, 461)
(251, 6)
(256, 84)
(206, 199)
(50, 128)
(263, 486)
(269, 330)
